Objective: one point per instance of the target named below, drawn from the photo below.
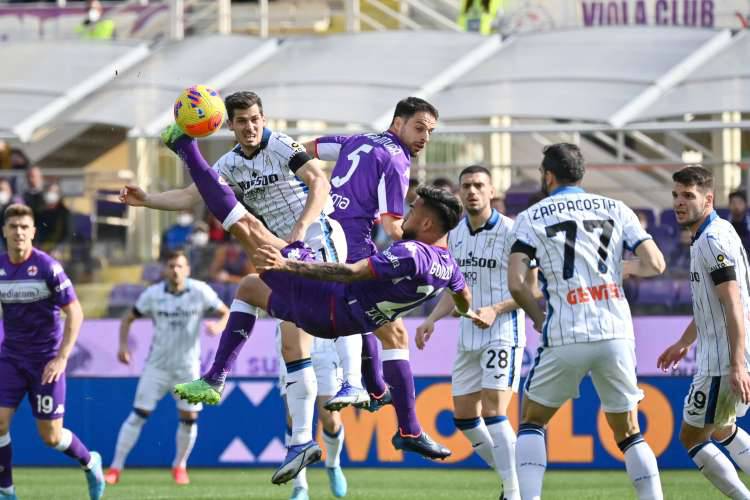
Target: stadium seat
(657, 293)
(122, 297)
(667, 218)
(152, 272)
(82, 227)
(650, 216)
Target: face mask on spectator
(4, 197)
(51, 198)
(184, 219)
(199, 238)
(94, 15)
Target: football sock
(640, 462)
(334, 443)
(235, 334)
(476, 432)
(397, 372)
(74, 448)
(6, 461)
(126, 439)
(301, 389)
(218, 196)
(187, 432)
(349, 349)
(738, 445)
(300, 481)
(531, 460)
(372, 367)
(504, 453)
(719, 470)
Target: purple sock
(6, 460)
(235, 334)
(372, 368)
(398, 374)
(76, 449)
(219, 197)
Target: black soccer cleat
(423, 445)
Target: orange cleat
(180, 475)
(112, 476)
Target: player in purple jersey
(35, 349)
(370, 181)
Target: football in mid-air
(199, 111)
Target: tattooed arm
(267, 258)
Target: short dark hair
(565, 161)
(474, 169)
(18, 210)
(406, 108)
(175, 253)
(695, 175)
(738, 194)
(443, 203)
(443, 183)
(242, 100)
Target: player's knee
(4, 426)
(690, 437)
(51, 436)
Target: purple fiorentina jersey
(370, 179)
(407, 274)
(31, 294)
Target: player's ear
(709, 199)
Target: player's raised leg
(7, 490)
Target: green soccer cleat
(199, 391)
(170, 135)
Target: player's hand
(424, 332)
(297, 233)
(123, 355)
(485, 317)
(133, 195)
(740, 383)
(213, 328)
(268, 258)
(539, 323)
(671, 357)
(54, 370)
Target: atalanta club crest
(32, 270)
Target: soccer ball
(199, 111)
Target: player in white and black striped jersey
(487, 369)
(177, 307)
(578, 240)
(720, 284)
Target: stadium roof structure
(607, 78)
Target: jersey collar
(170, 292)
(261, 146)
(567, 190)
(711, 217)
(491, 222)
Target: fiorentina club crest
(32, 270)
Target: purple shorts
(18, 378)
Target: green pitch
(392, 484)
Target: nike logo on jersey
(290, 383)
(498, 377)
(474, 445)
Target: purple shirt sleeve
(328, 147)
(392, 188)
(60, 286)
(457, 283)
(396, 261)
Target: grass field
(392, 484)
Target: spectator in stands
(679, 260)
(216, 232)
(19, 160)
(34, 194)
(176, 236)
(479, 16)
(230, 264)
(95, 26)
(738, 216)
(54, 222)
(200, 252)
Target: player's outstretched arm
(73, 320)
(268, 258)
(521, 289)
(123, 352)
(729, 296)
(650, 261)
(317, 196)
(176, 199)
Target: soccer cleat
(424, 445)
(299, 493)
(297, 458)
(95, 477)
(180, 475)
(337, 481)
(112, 476)
(170, 135)
(347, 395)
(374, 404)
(199, 391)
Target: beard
(409, 234)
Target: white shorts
(495, 367)
(155, 383)
(326, 238)
(325, 362)
(711, 401)
(557, 373)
